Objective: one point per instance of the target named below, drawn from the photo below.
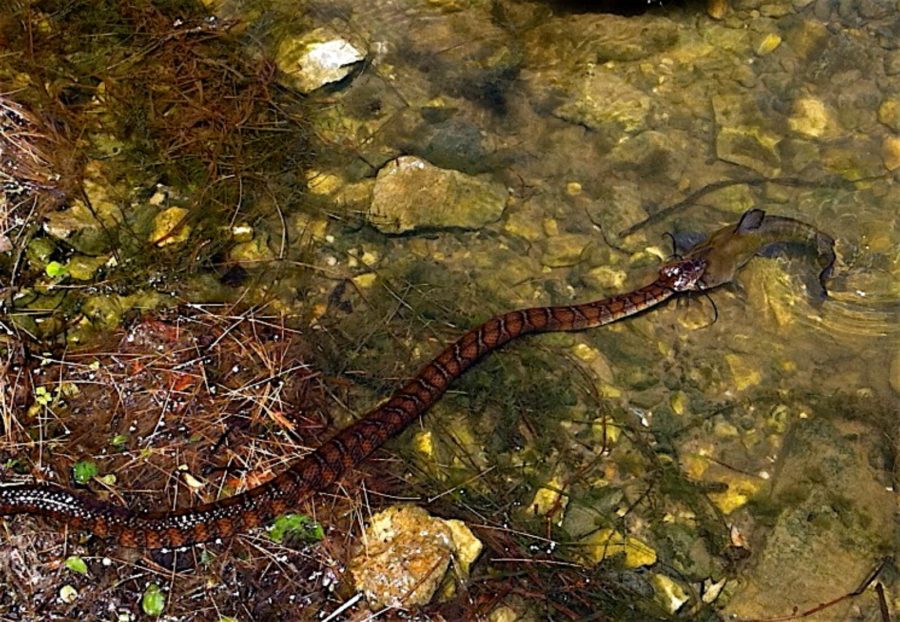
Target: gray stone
(412, 194)
(315, 59)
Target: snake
(352, 445)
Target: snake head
(684, 275)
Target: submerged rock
(742, 136)
(411, 193)
(315, 59)
(606, 543)
(598, 97)
(169, 227)
(811, 118)
(890, 152)
(834, 520)
(407, 553)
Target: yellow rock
(716, 9)
(549, 498)
(890, 152)
(424, 443)
(322, 183)
(254, 251)
(468, 547)
(607, 543)
(169, 227)
(606, 430)
(605, 276)
(407, 554)
(744, 373)
(597, 362)
(695, 465)
(551, 227)
(810, 118)
(889, 113)
(523, 224)
(679, 402)
(768, 44)
(669, 592)
(365, 280)
(740, 489)
(504, 613)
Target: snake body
(349, 447)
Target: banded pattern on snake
(349, 447)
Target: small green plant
(56, 270)
(296, 526)
(84, 471)
(76, 564)
(153, 602)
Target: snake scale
(706, 267)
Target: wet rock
(598, 97)
(834, 520)
(83, 268)
(607, 543)
(768, 44)
(717, 9)
(743, 137)
(251, 252)
(741, 488)
(811, 118)
(550, 499)
(598, 38)
(563, 250)
(411, 194)
(892, 63)
(407, 553)
(890, 152)
(627, 197)
(807, 38)
(315, 59)
(671, 595)
(86, 228)
(854, 158)
(889, 113)
(736, 199)
(524, 221)
(169, 227)
(744, 372)
(453, 143)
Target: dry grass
(225, 398)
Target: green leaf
(84, 471)
(42, 396)
(118, 441)
(296, 526)
(56, 270)
(76, 564)
(153, 602)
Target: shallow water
(595, 123)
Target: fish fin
(750, 221)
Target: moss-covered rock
(411, 194)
